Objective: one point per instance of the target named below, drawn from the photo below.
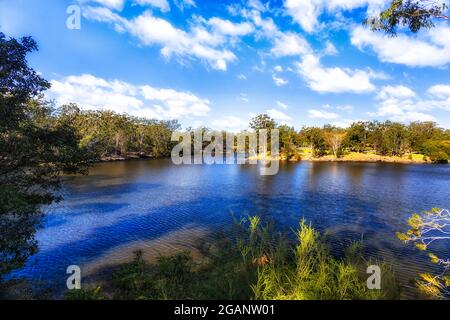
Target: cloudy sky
(218, 63)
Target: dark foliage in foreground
(35, 148)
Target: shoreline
(351, 157)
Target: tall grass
(312, 273)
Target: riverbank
(363, 157)
(350, 157)
(411, 158)
(127, 156)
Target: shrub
(439, 157)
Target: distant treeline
(383, 138)
(106, 133)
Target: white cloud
(183, 4)
(411, 116)
(282, 105)
(440, 97)
(163, 5)
(344, 123)
(399, 92)
(279, 81)
(278, 69)
(284, 43)
(289, 44)
(306, 12)
(243, 97)
(400, 103)
(91, 92)
(197, 43)
(440, 91)
(347, 108)
(317, 77)
(227, 27)
(111, 4)
(335, 80)
(241, 77)
(429, 48)
(330, 49)
(102, 14)
(278, 115)
(321, 114)
(229, 123)
(118, 5)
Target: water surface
(123, 206)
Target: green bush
(439, 157)
(438, 151)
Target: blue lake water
(148, 202)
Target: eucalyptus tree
(334, 138)
(414, 14)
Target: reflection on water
(122, 205)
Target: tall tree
(334, 137)
(356, 137)
(314, 137)
(262, 121)
(289, 140)
(35, 149)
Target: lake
(157, 206)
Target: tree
(425, 229)
(35, 148)
(415, 14)
(289, 140)
(388, 138)
(315, 138)
(155, 136)
(334, 138)
(438, 151)
(262, 121)
(105, 133)
(356, 137)
(395, 138)
(422, 132)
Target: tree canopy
(414, 14)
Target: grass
(258, 264)
(367, 156)
(313, 274)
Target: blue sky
(218, 63)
